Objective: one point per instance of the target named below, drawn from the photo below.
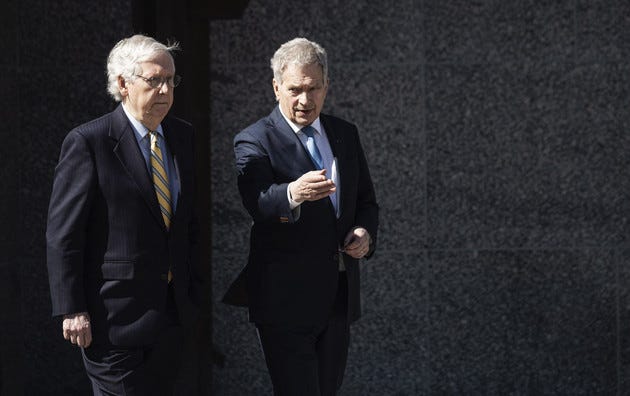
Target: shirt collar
(317, 125)
(139, 128)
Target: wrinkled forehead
(300, 74)
(163, 60)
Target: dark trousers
(137, 371)
(309, 360)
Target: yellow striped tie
(160, 179)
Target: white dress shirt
(329, 161)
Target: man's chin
(306, 119)
(159, 110)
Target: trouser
(309, 360)
(137, 371)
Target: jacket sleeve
(72, 192)
(263, 196)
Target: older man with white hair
(122, 235)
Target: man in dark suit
(122, 235)
(304, 179)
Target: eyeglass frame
(172, 81)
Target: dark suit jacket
(108, 251)
(292, 272)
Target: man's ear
(122, 86)
(275, 88)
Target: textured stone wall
(497, 137)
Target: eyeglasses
(156, 82)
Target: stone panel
(499, 31)
(603, 32)
(357, 31)
(9, 44)
(389, 353)
(513, 161)
(71, 36)
(523, 322)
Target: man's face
(149, 105)
(302, 92)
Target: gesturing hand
(76, 328)
(311, 186)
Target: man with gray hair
(122, 234)
(304, 179)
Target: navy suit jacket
(292, 273)
(108, 250)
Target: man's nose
(164, 87)
(304, 97)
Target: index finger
(323, 184)
(310, 179)
(66, 333)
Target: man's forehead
(163, 60)
(302, 79)
(310, 68)
(297, 81)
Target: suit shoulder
(94, 128)
(339, 126)
(337, 122)
(183, 130)
(178, 122)
(256, 130)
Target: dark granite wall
(497, 136)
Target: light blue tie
(312, 147)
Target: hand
(311, 186)
(76, 328)
(357, 243)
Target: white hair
(301, 52)
(124, 59)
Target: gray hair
(127, 54)
(301, 52)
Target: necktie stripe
(165, 212)
(163, 201)
(163, 198)
(157, 156)
(159, 165)
(160, 180)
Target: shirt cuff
(292, 203)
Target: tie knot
(308, 131)
(155, 136)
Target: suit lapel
(290, 143)
(128, 152)
(174, 143)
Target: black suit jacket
(292, 273)
(108, 250)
